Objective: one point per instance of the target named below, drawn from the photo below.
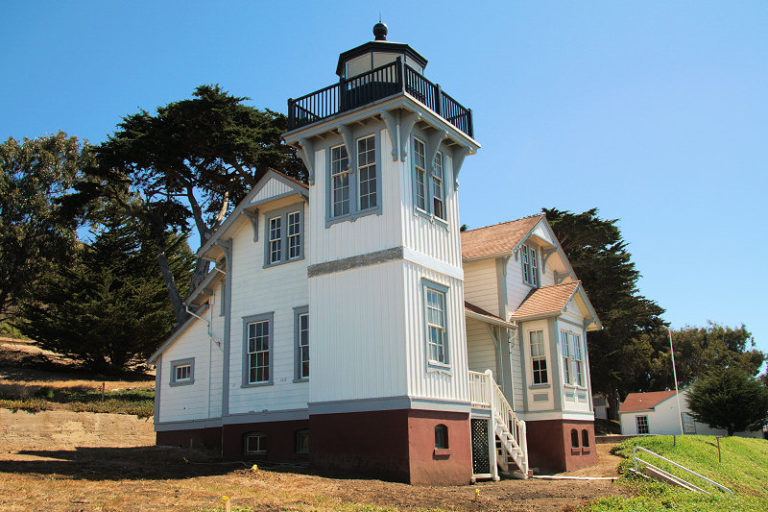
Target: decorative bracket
(545, 254)
(407, 121)
(458, 160)
(253, 216)
(559, 278)
(349, 142)
(392, 119)
(433, 146)
(307, 155)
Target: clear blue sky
(654, 112)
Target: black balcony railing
(388, 80)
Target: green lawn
(744, 469)
(135, 401)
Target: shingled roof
(546, 300)
(498, 239)
(644, 401)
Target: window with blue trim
(284, 236)
(428, 184)
(436, 323)
(339, 181)
(366, 170)
(258, 351)
(530, 265)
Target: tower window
(436, 323)
(428, 182)
(339, 181)
(441, 437)
(366, 170)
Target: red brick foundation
(393, 445)
(281, 440)
(550, 448)
(206, 438)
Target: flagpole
(674, 372)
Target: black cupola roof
(380, 44)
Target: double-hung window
(436, 323)
(642, 424)
(530, 265)
(285, 239)
(354, 188)
(538, 357)
(573, 358)
(565, 347)
(339, 181)
(258, 336)
(366, 171)
(428, 183)
(301, 334)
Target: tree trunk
(179, 311)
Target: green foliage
(34, 232)
(109, 304)
(619, 354)
(744, 469)
(191, 160)
(138, 402)
(729, 398)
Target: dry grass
(155, 479)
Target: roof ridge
(505, 222)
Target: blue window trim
(283, 214)
(354, 185)
(427, 284)
(183, 362)
(531, 249)
(428, 212)
(269, 317)
(297, 312)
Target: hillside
(744, 469)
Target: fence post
(401, 73)
(438, 99)
(494, 468)
(291, 115)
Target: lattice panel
(480, 462)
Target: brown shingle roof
(546, 300)
(644, 401)
(497, 239)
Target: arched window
(441, 437)
(255, 443)
(585, 438)
(574, 438)
(302, 441)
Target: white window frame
(370, 150)
(301, 343)
(539, 358)
(180, 364)
(436, 324)
(251, 350)
(572, 353)
(646, 426)
(339, 169)
(429, 184)
(278, 241)
(261, 443)
(530, 265)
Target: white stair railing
(506, 426)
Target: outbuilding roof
(644, 401)
(497, 239)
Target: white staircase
(507, 446)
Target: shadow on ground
(140, 463)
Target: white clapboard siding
(190, 401)
(517, 364)
(481, 285)
(357, 347)
(369, 233)
(257, 290)
(517, 290)
(420, 233)
(272, 188)
(480, 347)
(424, 382)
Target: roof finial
(380, 30)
